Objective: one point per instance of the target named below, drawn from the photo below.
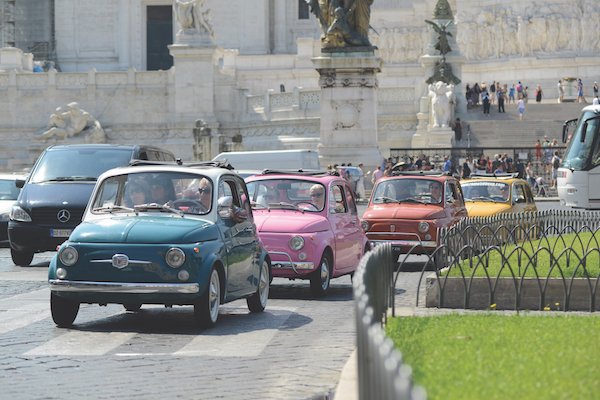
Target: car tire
(21, 258)
(132, 306)
(258, 301)
(206, 308)
(64, 311)
(321, 278)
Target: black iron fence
(547, 260)
(381, 373)
(539, 157)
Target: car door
(355, 233)
(239, 236)
(519, 197)
(455, 203)
(343, 224)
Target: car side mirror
(20, 183)
(450, 201)
(224, 204)
(519, 200)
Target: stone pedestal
(348, 84)
(440, 137)
(195, 67)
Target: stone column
(348, 82)
(280, 38)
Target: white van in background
(276, 159)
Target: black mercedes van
(56, 192)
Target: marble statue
(345, 23)
(441, 96)
(66, 123)
(191, 19)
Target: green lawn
(493, 356)
(552, 254)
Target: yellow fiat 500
(487, 194)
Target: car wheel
(21, 258)
(63, 310)
(206, 308)
(132, 306)
(321, 277)
(258, 301)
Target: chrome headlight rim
(423, 226)
(175, 257)
(68, 256)
(364, 224)
(297, 243)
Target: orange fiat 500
(407, 208)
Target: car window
(460, 194)
(451, 195)
(189, 193)
(8, 190)
(337, 201)
(227, 188)
(350, 200)
(486, 191)
(530, 199)
(282, 192)
(518, 193)
(78, 164)
(244, 198)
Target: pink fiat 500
(308, 222)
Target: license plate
(60, 232)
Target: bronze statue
(351, 21)
(442, 45)
(442, 10)
(443, 73)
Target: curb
(347, 388)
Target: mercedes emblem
(63, 215)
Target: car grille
(49, 216)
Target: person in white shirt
(596, 101)
(360, 185)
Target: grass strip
(494, 356)
(552, 254)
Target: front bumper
(58, 285)
(299, 268)
(28, 237)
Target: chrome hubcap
(264, 283)
(213, 295)
(324, 275)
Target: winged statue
(442, 45)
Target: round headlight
(68, 256)
(175, 257)
(364, 225)
(423, 227)
(296, 243)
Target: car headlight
(18, 214)
(175, 257)
(364, 225)
(5, 217)
(68, 256)
(423, 227)
(297, 242)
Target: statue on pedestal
(441, 96)
(345, 23)
(192, 20)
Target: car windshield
(155, 191)
(288, 193)
(8, 190)
(408, 190)
(486, 191)
(579, 154)
(78, 164)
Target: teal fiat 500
(159, 234)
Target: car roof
(428, 175)
(505, 177)
(310, 175)
(210, 171)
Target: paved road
(296, 349)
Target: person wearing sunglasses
(270, 197)
(317, 195)
(137, 193)
(505, 192)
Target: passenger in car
(137, 192)
(271, 196)
(317, 194)
(435, 190)
(162, 190)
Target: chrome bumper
(58, 285)
(404, 243)
(290, 264)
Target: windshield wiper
(411, 199)
(112, 208)
(285, 205)
(384, 199)
(480, 199)
(155, 206)
(70, 179)
(258, 205)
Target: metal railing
(381, 373)
(567, 242)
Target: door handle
(248, 229)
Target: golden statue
(348, 26)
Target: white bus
(578, 178)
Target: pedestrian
(360, 185)
(561, 91)
(521, 108)
(501, 99)
(493, 91)
(447, 164)
(470, 164)
(595, 87)
(538, 94)
(538, 152)
(580, 92)
(511, 94)
(507, 163)
(519, 91)
(555, 165)
(457, 130)
(525, 94)
(476, 92)
(482, 164)
(469, 96)
(530, 175)
(485, 99)
(596, 101)
(377, 174)
(466, 171)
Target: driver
(475, 193)
(317, 194)
(435, 190)
(505, 192)
(204, 192)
